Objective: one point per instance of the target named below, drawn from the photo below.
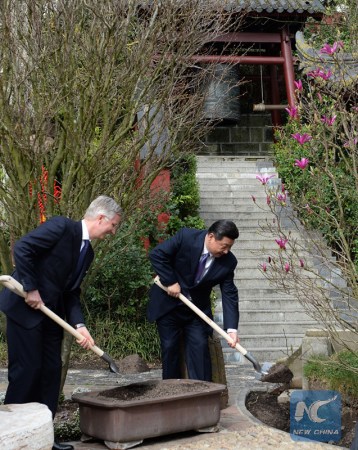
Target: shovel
(14, 286)
(262, 371)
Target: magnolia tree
(315, 211)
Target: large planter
(187, 405)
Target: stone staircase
(272, 322)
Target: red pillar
(275, 96)
(288, 67)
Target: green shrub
(119, 285)
(70, 429)
(120, 339)
(185, 187)
(338, 372)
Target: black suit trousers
(182, 321)
(34, 370)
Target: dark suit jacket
(175, 261)
(45, 259)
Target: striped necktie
(201, 267)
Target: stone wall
(252, 135)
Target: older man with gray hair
(50, 263)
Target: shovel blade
(265, 367)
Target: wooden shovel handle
(14, 286)
(207, 319)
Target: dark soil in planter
(265, 407)
(147, 391)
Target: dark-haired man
(192, 262)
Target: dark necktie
(81, 258)
(201, 267)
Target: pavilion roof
(270, 6)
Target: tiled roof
(343, 66)
(269, 6)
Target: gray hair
(103, 205)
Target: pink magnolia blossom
(348, 143)
(330, 50)
(302, 264)
(264, 178)
(287, 267)
(281, 243)
(283, 188)
(308, 209)
(328, 120)
(292, 111)
(264, 266)
(268, 200)
(302, 163)
(281, 197)
(298, 85)
(319, 73)
(301, 138)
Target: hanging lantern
(221, 90)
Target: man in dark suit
(192, 262)
(47, 264)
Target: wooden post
(288, 67)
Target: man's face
(218, 248)
(105, 226)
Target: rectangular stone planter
(187, 405)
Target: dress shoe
(58, 446)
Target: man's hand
(33, 299)
(235, 338)
(88, 341)
(174, 290)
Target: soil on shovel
(147, 392)
(278, 373)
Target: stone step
(211, 190)
(241, 208)
(275, 327)
(233, 171)
(249, 216)
(243, 192)
(257, 283)
(251, 341)
(237, 182)
(239, 163)
(208, 162)
(259, 242)
(253, 275)
(268, 293)
(250, 224)
(285, 305)
(244, 202)
(261, 354)
(266, 316)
